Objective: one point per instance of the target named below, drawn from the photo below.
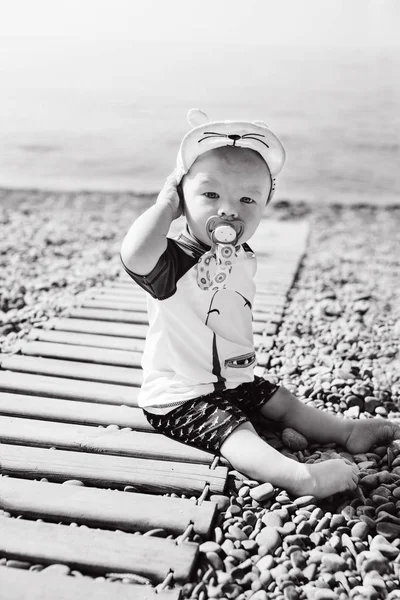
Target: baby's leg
(314, 424)
(253, 457)
(319, 426)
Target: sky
(335, 23)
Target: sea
(110, 116)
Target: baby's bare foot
(366, 433)
(324, 479)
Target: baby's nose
(227, 212)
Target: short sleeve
(161, 282)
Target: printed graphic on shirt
(229, 317)
(198, 340)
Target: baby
(199, 386)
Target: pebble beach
(337, 348)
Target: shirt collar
(191, 243)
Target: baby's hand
(169, 196)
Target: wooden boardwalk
(83, 475)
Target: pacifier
(224, 232)
(215, 266)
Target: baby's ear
(197, 117)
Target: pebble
(215, 560)
(269, 538)
(325, 594)
(220, 500)
(360, 530)
(18, 564)
(210, 547)
(302, 501)
(293, 439)
(263, 492)
(333, 563)
(390, 531)
(57, 569)
(272, 519)
(75, 482)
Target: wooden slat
(154, 476)
(103, 356)
(265, 316)
(86, 339)
(139, 306)
(71, 411)
(139, 444)
(59, 387)
(116, 316)
(72, 369)
(26, 585)
(97, 551)
(98, 327)
(116, 294)
(103, 508)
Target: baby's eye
(247, 200)
(211, 195)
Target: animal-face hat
(207, 135)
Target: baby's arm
(146, 240)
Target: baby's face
(231, 182)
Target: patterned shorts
(207, 421)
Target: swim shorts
(208, 420)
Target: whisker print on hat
(234, 137)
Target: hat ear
(261, 123)
(197, 117)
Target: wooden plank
(116, 294)
(72, 369)
(59, 387)
(152, 476)
(116, 316)
(104, 508)
(15, 430)
(263, 317)
(27, 585)
(72, 411)
(98, 327)
(104, 356)
(86, 339)
(97, 551)
(138, 306)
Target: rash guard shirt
(198, 341)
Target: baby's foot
(368, 432)
(324, 479)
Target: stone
(302, 501)
(333, 563)
(210, 547)
(390, 531)
(75, 482)
(215, 560)
(360, 530)
(265, 562)
(220, 500)
(372, 561)
(57, 569)
(380, 543)
(269, 538)
(293, 439)
(260, 595)
(263, 492)
(237, 533)
(325, 594)
(18, 564)
(272, 519)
